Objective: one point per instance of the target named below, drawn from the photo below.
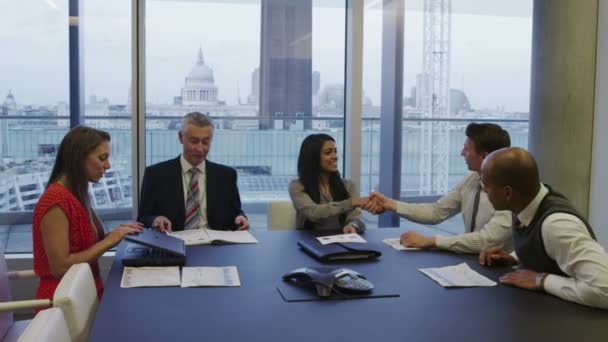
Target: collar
(186, 166)
(526, 215)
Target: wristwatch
(540, 281)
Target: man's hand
(349, 229)
(372, 206)
(241, 223)
(384, 202)
(525, 279)
(162, 224)
(413, 239)
(496, 257)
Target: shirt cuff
(442, 242)
(458, 243)
(553, 284)
(345, 205)
(403, 208)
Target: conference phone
(330, 279)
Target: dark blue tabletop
(425, 311)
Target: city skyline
(494, 77)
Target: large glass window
(268, 73)
(33, 97)
(35, 105)
(463, 62)
(106, 62)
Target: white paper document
(210, 276)
(352, 237)
(460, 275)
(396, 244)
(210, 236)
(150, 276)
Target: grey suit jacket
(324, 215)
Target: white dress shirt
(186, 166)
(583, 259)
(492, 228)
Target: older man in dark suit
(190, 192)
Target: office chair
(10, 330)
(281, 215)
(48, 325)
(76, 296)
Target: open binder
(337, 251)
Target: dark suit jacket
(162, 194)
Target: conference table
(255, 311)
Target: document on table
(209, 236)
(460, 275)
(210, 276)
(396, 244)
(352, 237)
(150, 276)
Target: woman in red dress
(66, 230)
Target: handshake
(376, 203)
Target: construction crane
(433, 97)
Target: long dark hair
(309, 170)
(71, 160)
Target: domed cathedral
(199, 88)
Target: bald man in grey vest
(553, 243)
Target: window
(33, 98)
(106, 61)
(268, 73)
(463, 62)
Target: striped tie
(193, 204)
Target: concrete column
(598, 215)
(562, 94)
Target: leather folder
(337, 251)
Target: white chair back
(48, 325)
(76, 295)
(281, 215)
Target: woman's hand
(116, 235)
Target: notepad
(396, 244)
(460, 275)
(341, 238)
(170, 276)
(150, 277)
(210, 276)
(209, 236)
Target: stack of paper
(210, 236)
(150, 276)
(169, 276)
(457, 276)
(396, 244)
(210, 276)
(353, 237)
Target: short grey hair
(197, 119)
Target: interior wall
(598, 215)
(562, 94)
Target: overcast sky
(490, 50)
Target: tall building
(10, 105)
(286, 62)
(9, 102)
(316, 82)
(254, 97)
(199, 87)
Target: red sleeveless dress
(81, 237)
